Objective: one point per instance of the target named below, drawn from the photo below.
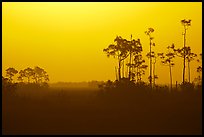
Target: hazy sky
(67, 39)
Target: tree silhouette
(134, 48)
(199, 60)
(154, 56)
(28, 73)
(167, 59)
(199, 78)
(118, 51)
(189, 57)
(148, 33)
(186, 24)
(130, 49)
(199, 71)
(21, 75)
(139, 66)
(10, 72)
(40, 75)
(154, 68)
(121, 50)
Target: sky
(67, 38)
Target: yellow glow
(67, 39)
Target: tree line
(131, 65)
(35, 75)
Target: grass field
(91, 111)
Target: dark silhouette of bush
(187, 86)
(8, 88)
(10, 72)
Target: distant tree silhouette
(199, 78)
(118, 51)
(154, 56)
(200, 60)
(154, 68)
(199, 71)
(148, 33)
(189, 57)
(167, 59)
(21, 75)
(10, 72)
(186, 24)
(139, 66)
(121, 50)
(134, 48)
(130, 49)
(28, 73)
(40, 75)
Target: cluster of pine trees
(131, 65)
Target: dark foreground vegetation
(126, 106)
(114, 108)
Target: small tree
(118, 51)
(134, 48)
(28, 73)
(189, 57)
(139, 66)
(154, 56)
(186, 24)
(167, 59)
(21, 75)
(40, 75)
(10, 72)
(154, 68)
(199, 71)
(148, 33)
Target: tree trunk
(116, 73)
(127, 71)
(170, 77)
(176, 85)
(140, 74)
(184, 71)
(136, 79)
(154, 75)
(119, 67)
(123, 69)
(189, 72)
(150, 66)
(130, 66)
(184, 58)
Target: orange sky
(67, 39)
